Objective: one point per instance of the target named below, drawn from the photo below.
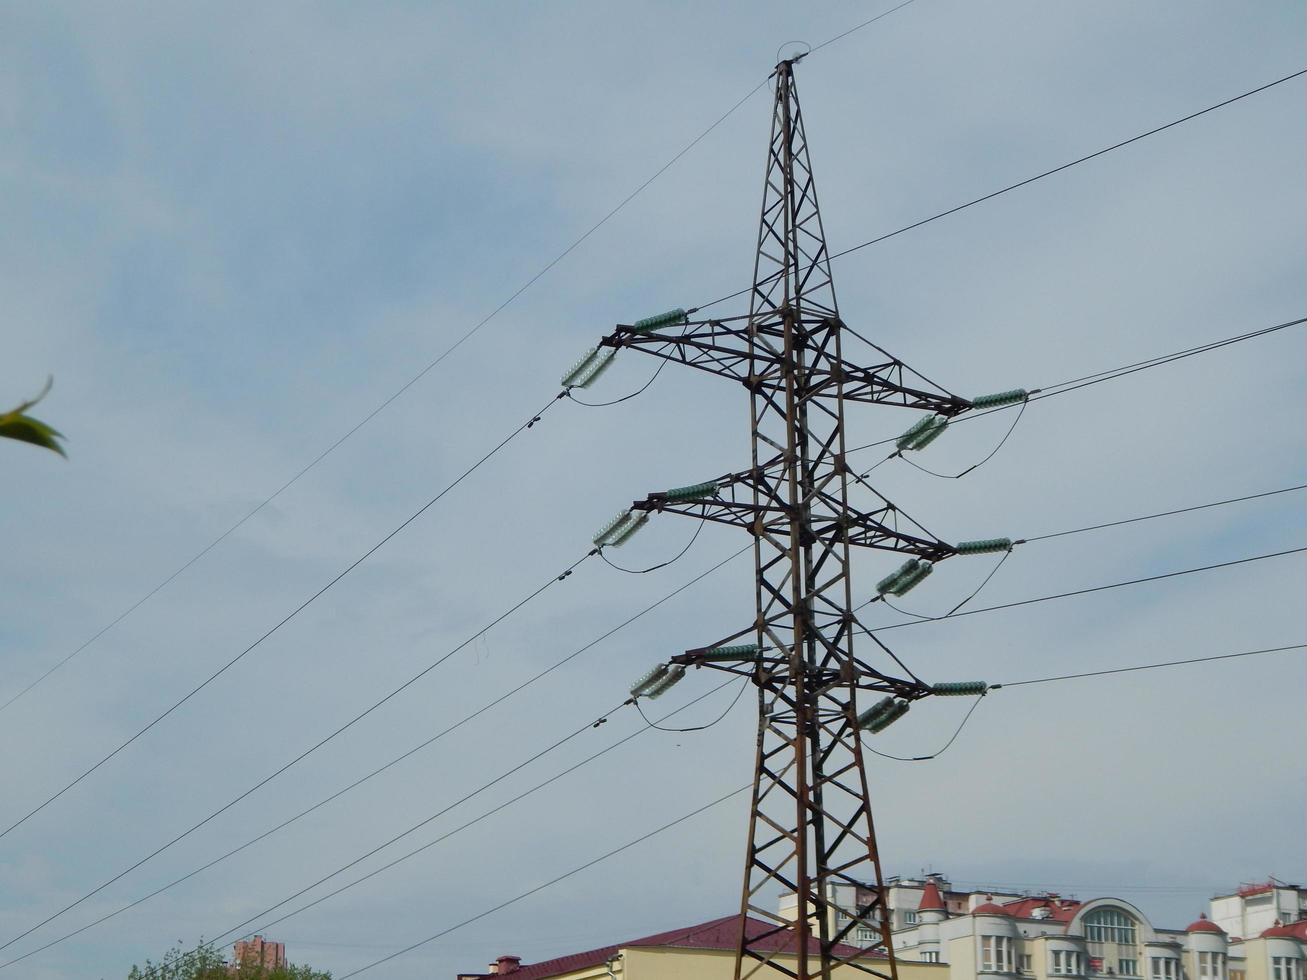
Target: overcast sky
(230, 232)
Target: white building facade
(1257, 933)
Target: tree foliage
(17, 424)
(206, 963)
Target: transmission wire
(1038, 394)
(1031, 180)
(1097, 588)
(405, 755)
(653, 568)
(934, 755)
(527, 894)
(1168, 663)
(391, 398)
(303, 755)
(291, 615)
(483, 816)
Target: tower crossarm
(722, 347)
(755, 500)
(719, 347)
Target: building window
(1110, 926)
(866, 936)
(1238, 974)
(931, 957)
(909, 917)
(1127, 967)
(1026, 963)
(1211, 966)
(1066, 963)
(996, 954)
(1286, 968)
(1165, 968)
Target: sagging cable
(1024, 401)
(620, 529)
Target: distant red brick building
(259, 952)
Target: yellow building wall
(669, 963)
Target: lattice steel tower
(810, 824)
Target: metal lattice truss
(729, 348)
(757, 500)
(810, 825)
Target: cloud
(231, 237)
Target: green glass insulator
(913, 579)
(606, 531)
(642, 686)
(937, 427)
(888, 583)
(668, 319)
(983, 547)
(958, 689)
(905, 441)
(1000, 398)
(627, 531)
(692, 492)
(569, 379)
(740, 651)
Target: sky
(231, 232)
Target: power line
(1096, 588)
(1164, 513)
(443, 837)
(938, 752)
(393, 396)
(1081, 530)
(295, 612)
(1047, 173)
(303, 755)
(1110, 374)
(375, 772)
(553, 881)
(1167, 663)
(851, 30)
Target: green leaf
(24, 428)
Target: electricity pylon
(810, 824)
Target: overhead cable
(213, 943)
(1111, 374)
(391, 397)
(1096, 588)
(1155, 666)
(304, 754)
(548, 884)
(1163, 513)
(291, 615)
(1047, 173)
(375, 772)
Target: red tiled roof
(989, 908)
(930, 899)
(1204, 924)
(716, 934)
(1279, 931)
(1059, 909)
